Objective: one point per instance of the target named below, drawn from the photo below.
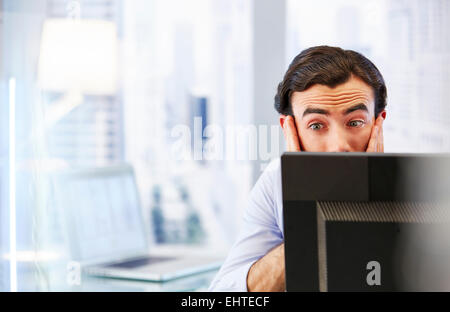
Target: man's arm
(267, 274)
(260, 233)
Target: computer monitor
(366, 222)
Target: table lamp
(77, 57)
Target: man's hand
(376, 141)
(290, 134)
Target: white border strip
(12, 186)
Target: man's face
(336, 119)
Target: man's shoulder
(270, 175)
(274, 166)
(265, 197)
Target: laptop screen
(103, 214)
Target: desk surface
(31, 280)
(197, 282)
(53, 276)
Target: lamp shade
(79, 55)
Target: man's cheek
(301, 140)
(304, 142)
(311, 143)
(363, 139)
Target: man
(330, 100)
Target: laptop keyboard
(139, 262)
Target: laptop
(107, 232)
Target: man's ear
(282, 120)
(382, 114)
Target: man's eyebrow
(355, 108)
(312, 110)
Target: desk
(197, 282)
(52, 276)
(31, 279)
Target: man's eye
(356, 123)
(316, 126)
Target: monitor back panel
(381, 246)
(310, 178)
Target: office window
(91, 134)
(4, 224)
(181, 64)
(87, 132)
(168, 68)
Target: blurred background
(183, 92)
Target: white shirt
(262, 230)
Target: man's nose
(338, 142)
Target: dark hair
(330, 66)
